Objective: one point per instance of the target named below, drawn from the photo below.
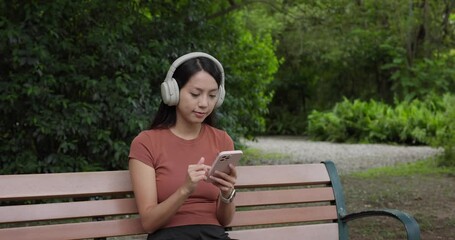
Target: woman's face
(197, 99)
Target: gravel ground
(347, 157)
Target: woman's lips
(200, 114)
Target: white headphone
(170, 89)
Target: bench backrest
(291, 200)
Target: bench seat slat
(324, 231)
(81, 230)
(37, 186)
(288, 196)
(283, 215)
(53, 211)
(278, 175)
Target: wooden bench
(300, 201)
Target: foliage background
(387, 51)
(80, 79)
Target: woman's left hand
(225, 182)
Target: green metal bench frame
(410, 224)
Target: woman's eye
(194, 94)
(213, 96)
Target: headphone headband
(189, 56)
(170, 89)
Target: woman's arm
(225, 182)
(154, 215)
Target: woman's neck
(187, 132)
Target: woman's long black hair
(166, 116)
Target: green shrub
(70, 96)
(445, 136)
(409, 122)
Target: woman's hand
(225, 182)
(196, 173)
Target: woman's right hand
(196, 173)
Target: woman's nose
(203, 101)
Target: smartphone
(223, 160)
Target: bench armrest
(410, 224)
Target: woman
(169, 163)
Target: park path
(347, 157)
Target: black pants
(190, 232)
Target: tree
(382, 50)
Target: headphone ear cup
(170, 92)
(221, 95)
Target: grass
(421, 189)
(422, 167)
(252, 156)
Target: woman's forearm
(225, 212)
(156, 216)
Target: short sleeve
(140, 149)
(228, 141)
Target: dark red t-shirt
(170, 156)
